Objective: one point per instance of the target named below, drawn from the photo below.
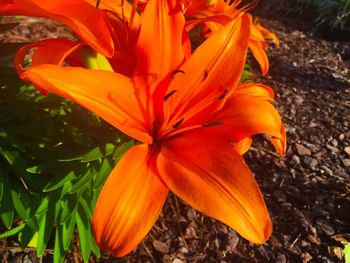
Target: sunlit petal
(129, 203)
(110, 95)
(215, 65)
(213, 178)
(244, 115)
(159, 47)
(82, 17)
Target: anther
(205, 74)
(222, 96)
(167, 96)
(206, 125)
(178, 123)
(172, 75)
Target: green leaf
(26, 236)
(98, 153)
(59, 253)
(102, 174)
(82, 181)
(83, 225)
(12, 231)
(34, 240)
(94, 248)
(68, 230)
(59, 181)
(46, 223)
(43, 206)
(68, 207)
(347, 253)
(122, 149)
(6, 205)
(1, 184)
(21, 211)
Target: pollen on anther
(178, 123)
(167, 96)
(205, 74)
(177, 71)
(222, 96)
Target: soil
(306, 192)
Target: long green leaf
(83, 226)
(57, 182)
(68, 230)
(46, 223)
(59, 253)
(98, 153)
(13, 231)
(6, 205)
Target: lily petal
(244, 115)
(213, 178)
(260, 55)
(217, 63)
(256, 90)
(86, 20)
(243, 145)
(129, 204)
(48, 51)
(108, 94)
(159, 47)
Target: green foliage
(335, 13)
(347, 253)
(330, 13)
(54, 159)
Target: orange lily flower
(193, 122)
(215, 13)
(81, 16)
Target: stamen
(222, 96)
(206, 125)
(178, 123)
(172, 75)
(167, 96)
(205, 74)
(98, 3)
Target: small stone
(327, 170)
(296, 159)
(306, 257)
(295, 33)
(347, 150)
(302, 150)
(346, 162)
(314, 239)
(341, 136)
(161, 246)
(281, 258)
(327, 228)
(332, 148)
(304, 243)
(184, 250)
(336, 251)
(191, 214)
(176, 260)
(311, 162)
(334, 142)
(298, 100)
(337, 76)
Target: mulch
(306, 192)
